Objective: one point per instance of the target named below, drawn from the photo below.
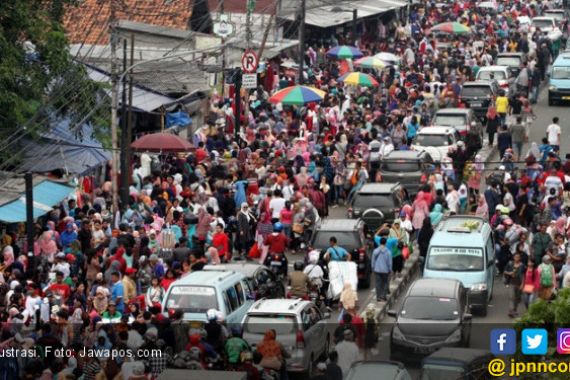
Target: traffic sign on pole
(249, 61)
(249, 80)
(223, 27)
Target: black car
(350, 235)
(457, 363)
(262, 281)
(433, 314)
(406, 167)
(376, 204)
(512, 60)
(479, 95)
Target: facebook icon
(503, 341)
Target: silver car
(300, 326)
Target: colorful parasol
(345, 52)
(297, 95)
(358, 79)
(451, 27)
(370, 63)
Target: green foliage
(38, 77)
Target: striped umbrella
(358, 79)
(370, 63)
(451, 27)
(345, 52)
(297, 95)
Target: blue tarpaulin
(46, 195)
(179, 118)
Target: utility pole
(354, 17)
(29, 178)
(302, 42)
(223, 54)
(124, 134)
(266, 34)
(114, 105)
(130, 117)
(237, 88)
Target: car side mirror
(392, 313)
(467, 317)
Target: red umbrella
(161, 142)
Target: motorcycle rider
(299, 281)
(277, 243)
(235, 347)
(200, 349)
(214, 331)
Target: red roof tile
(88, 21)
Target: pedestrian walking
(519, 137)
(504, 140)
(382, 267)
(553, 133)
(514, 275)
(546, 275)
(493, 123)
(348, 352)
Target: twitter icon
(534, 341)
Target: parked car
(478, 95)
(457, 364)
(437, 141)
(406, 167)
(502, 74)
(433, 314)
(351, 235)
(262, 281)
(375, 204)
(547, 26)
(459, 118)
(462, 247)
(559, 15)
(559, 79)
(512, 60)
(300, 326)
(376, 369)
(199, 291)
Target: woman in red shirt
(167, 280)
(286, 219)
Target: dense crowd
(96, 279)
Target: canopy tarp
(60, 148)
(46, 195)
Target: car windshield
(542, 24)
(348, 240)
(372, 371)
(441, 372)
(455, 259)
(260, 323)
(192, 299)
(509, 61)
(561, 73)
(423, 139)
(486, 75)
(555, 15)
(476, 91)
(449, 120)
(365, 201)
(430, 308)
(401, 165)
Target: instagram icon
(563, 341)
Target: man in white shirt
(347, 352)
(553, 182)
(276, 204)
(452, 199)
(553, 132)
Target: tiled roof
(88, 21)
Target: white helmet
(212, 315)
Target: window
(192, 299)
(227, 302)
(239, 292)
(233, 297)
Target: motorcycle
(277, 263)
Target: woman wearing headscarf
(400, 237)
(474, 181)
(436, 214)
(273, 354)
(424, 236)
(482, 210)
(348, 299)
(533, 151)
(420, 210)
(48, 244)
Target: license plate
(566, 98)
(196, 325)
(276, 263)
(475, 104)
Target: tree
(201, 20)
(39, 80)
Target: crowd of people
(96, 279)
